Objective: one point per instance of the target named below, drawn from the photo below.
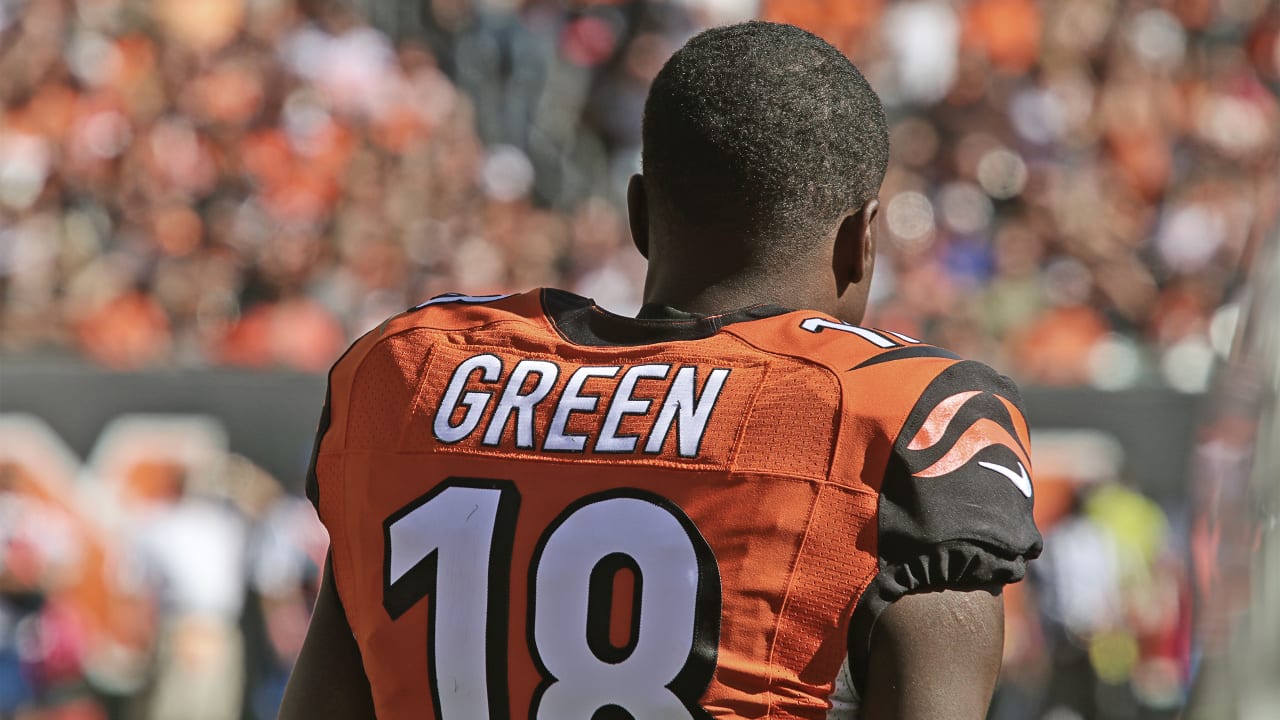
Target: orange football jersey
(540, 509)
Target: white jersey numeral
(449, 534)
(817, 325)
(586, 671)
(454, 544)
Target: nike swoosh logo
(1019, 479)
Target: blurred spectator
(192, 551)
(286, 557)
(44, 632)
(1115, 606)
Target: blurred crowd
(203, 182)
(1074, 187)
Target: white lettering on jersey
(490, 368)
(474, 385)
(624, 404)
(572, 400)
(522, 405)
(692, 412)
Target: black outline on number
(699, 668)
(600, 607)
(420, 581)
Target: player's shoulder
(884, 368)
(821, 339)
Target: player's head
(764, 150)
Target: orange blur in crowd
(256, 184)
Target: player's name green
(543, 406)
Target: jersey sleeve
(955, 507)
(329, 429)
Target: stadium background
(203, 201)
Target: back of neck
(728, 294)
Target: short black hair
(763, 131)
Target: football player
(738, 504)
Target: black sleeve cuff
(955, 565)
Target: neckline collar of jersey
(580, 321)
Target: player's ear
(638, 214)
(855, 249)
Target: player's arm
(954, 525)
(935, 655)
(328, 681)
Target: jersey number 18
(454, 544)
